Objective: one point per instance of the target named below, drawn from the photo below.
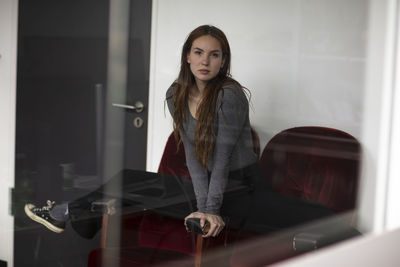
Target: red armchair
(315, 163)
(168, 233)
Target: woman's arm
(198, 174)
(232, 113)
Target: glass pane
(95, 133)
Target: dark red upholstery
(158, 231)
(315, 163)
(173, 160)
(136, 256)
(166, 233)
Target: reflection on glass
(290, 188)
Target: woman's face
(205, 59)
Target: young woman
(211, 118)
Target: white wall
(8, 47)
(303, 60)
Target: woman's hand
(215, 221)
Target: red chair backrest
(316, 163)
(173, 160)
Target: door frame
(8, 65)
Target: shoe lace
(50, 205)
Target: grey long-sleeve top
(233, 148)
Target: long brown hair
(204, 135)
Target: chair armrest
(103, 206)
(311, 240)
(304, 242)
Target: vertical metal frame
(392, 211)
(379, 109)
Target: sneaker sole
(36, 218)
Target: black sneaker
(42, 215)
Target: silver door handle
(138, 107)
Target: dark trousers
(248, 202)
